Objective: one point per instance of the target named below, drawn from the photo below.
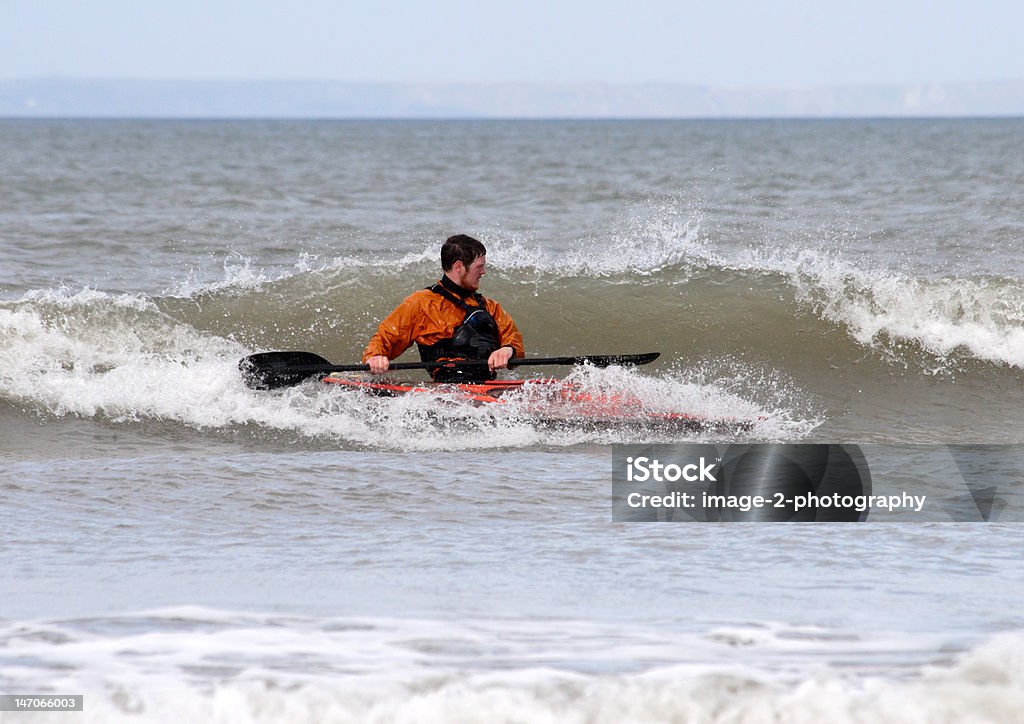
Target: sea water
(177, 546)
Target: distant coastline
(120, 98)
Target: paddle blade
(272, 370)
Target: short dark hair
(460, 248)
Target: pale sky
(730, 43)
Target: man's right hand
(379, 364)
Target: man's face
(473, 272)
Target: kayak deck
(558, 404)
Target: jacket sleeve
(507, 329)
(395, 334)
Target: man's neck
(455, 288)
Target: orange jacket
(426, 317)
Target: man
(450, 321)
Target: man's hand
(379, 364)
(499, 358)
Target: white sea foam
(655, 236)
(199, 665)
(95, 355)
(983, 317)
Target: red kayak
(552, 402)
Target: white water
(118, 358)
(206, 665)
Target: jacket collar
(454, 288)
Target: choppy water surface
(178, 545)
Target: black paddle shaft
(271, 370)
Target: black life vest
(474, 339)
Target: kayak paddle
(271, 370)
